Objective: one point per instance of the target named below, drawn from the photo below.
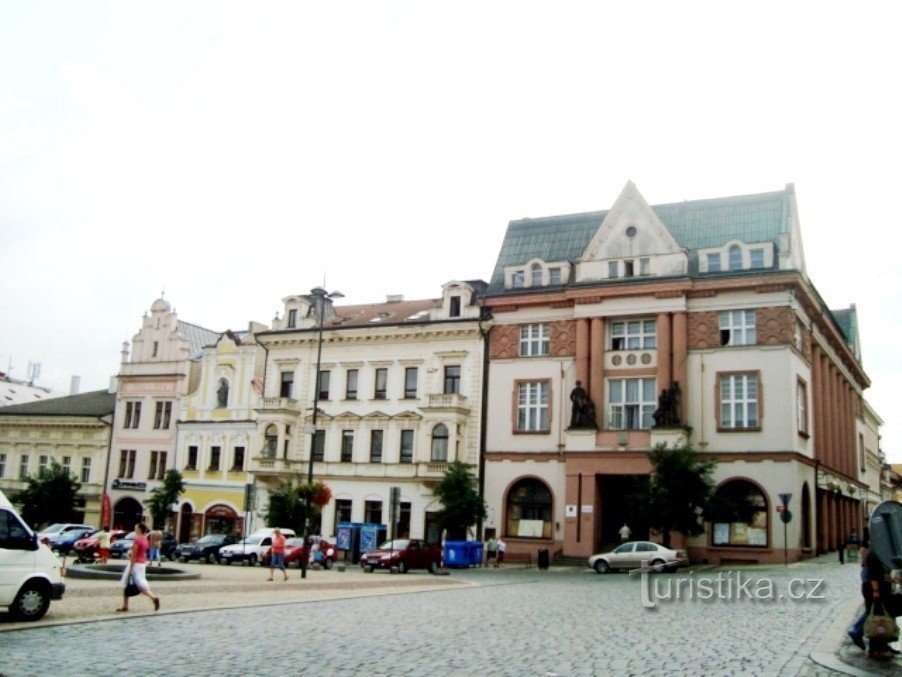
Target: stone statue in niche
(222, 394)
(667, 415)
(582, 414)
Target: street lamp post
(319, 295)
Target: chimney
(394, 298)
(75, 385)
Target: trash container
(456, 554)
(543, 558)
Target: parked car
(635, 554)
(206, 548)
(52, 533)
(250, 549)
(295, 552)
(67, 540)
(86, 548)
(404, 553)
(121, 547)
(168, 547)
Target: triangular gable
(611, 241)
(408, 415)
(347, 416)
(376, 415)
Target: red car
(405, 554)
(86, 548)
(295, 552)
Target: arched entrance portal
(126, 513)
(185, 523)
(221, 519)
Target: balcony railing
(448, 401)
(285, 403)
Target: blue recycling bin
(457, 554)
(474, 553)
(347, 538)
(372, 536)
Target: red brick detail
(704, 330)
(563, 338)
(774, 326)
(504, 342)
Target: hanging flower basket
(321, 494)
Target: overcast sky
(234, 153)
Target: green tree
(677, 493)
(162, 498)
(49, 497)
(290, 503)
(462, 506)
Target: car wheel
(602, 567)
(433, 567)
(658, 565)
(184, 560)
(367, 569)
(31, 603)
(402, 567)
(252, 560)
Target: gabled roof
(696, 224)
(197, 337)
(96, 403)
(396, 312)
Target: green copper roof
(847, 320)
(698, 224)
(96, 403)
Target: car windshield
(211, 539)
(397, 544)
(53, 529)
(129, 537)
(294, 542)
(253, 540)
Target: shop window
(529, 510)
(739, 515)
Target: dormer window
(536, 275)
(644, 266)
(756, 258)
(454, 307)
(628, 268)
(292, 318)
(554, 276)
(735, 258)
(714, 262)
(517, 279)
(613, 269)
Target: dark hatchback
(206, 548)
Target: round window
(631, 231)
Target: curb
(824, 652)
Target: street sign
(786, 517)
(785, 498)
(886, 533)
(781, 508)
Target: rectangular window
(342, 512)
(644, 266)
(737, 328)
(861, 453)
(123, 462)
(238, 459)
(554, 276)
(167, 414)
(67, 464)
(628, 268)
(454, 309)
(132, 415)
(532, 406)
(756, 258)
(158, 416)
(410, 382)
(381, 384)
(214, 458)
(161, 467)
(2, 465)
(136, 420)
(292, 318)
(287, 384)
(452, 380)
(192, 458)
(319, 445)
(43, 462)
(162, 415)
(533, 340)
(633, 335)
(23, 467)
(324, 378)
(802, 407)
(156, 348)
(372, 512)
(351, 384)
(631, 403)
(375, 446)
(714, 263)
(407, 446)
(153, 466)
(85, 470)
(347, 446)
(130, 464)
(517, 279)
(739, 401)
(613, 268)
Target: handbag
(880, 625)
(131, 588)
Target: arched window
(536, 275)
(222, 394)
(529, 510)
(270, 442)
(740, 515)
(440, 443)
(735, 258)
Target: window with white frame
(23, 467)
(533, 340)
(347, 446)
(613, 268)
(517, 279)
(536, 275)
(631, 403)
(532, 406)
(739, 401)
(734, 255)
(554, 275)
(43, 462)
(714, 262)
(802, 407)
(644, 266)
(407, 446)
(756, 258)
(737, 328)
(85, 470)
(633, 335)
(440, 443)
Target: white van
(29, 573)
